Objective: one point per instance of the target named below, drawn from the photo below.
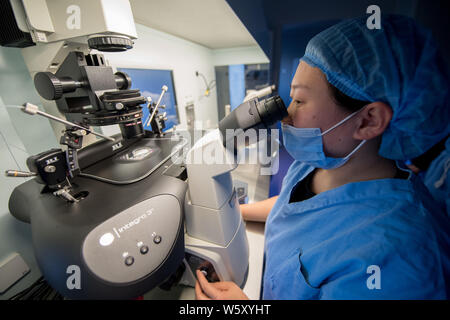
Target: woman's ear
(373, 121)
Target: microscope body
(214, 225)
(215, 230)
(113, 210)
(123, 238)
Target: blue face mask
(306, 145)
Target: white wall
(21, 135)
(157, 50)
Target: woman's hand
(224, 290)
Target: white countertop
(255, 236)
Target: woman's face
(313, 107)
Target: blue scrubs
(330, 246)
(437, 178)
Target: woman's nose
(288, 120)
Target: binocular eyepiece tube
(254, 114)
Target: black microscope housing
(121, 218)
(87, 92)
(121, 221)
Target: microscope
(127, 211)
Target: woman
(349, 223)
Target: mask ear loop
(341, 122)
(356, 149)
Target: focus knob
(110, 43)
(48, 85)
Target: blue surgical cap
(399, 65)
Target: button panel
(130, 245)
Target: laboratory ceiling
(211, 23)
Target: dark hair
(423, 161)
(345, 101)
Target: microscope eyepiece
(254, 114)
(271, 110)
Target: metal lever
(18, 173)
(164, 89)
(63, 193)
(163, 116)
(33, 109)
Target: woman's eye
(296, 102)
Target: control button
(157, 239)
(129, 260)
(144, 249)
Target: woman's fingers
(222, 285)
(211, 291)
(199, 293)
(224, 290)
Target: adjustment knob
(123, 80)
(110, 43)
(48, 85)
